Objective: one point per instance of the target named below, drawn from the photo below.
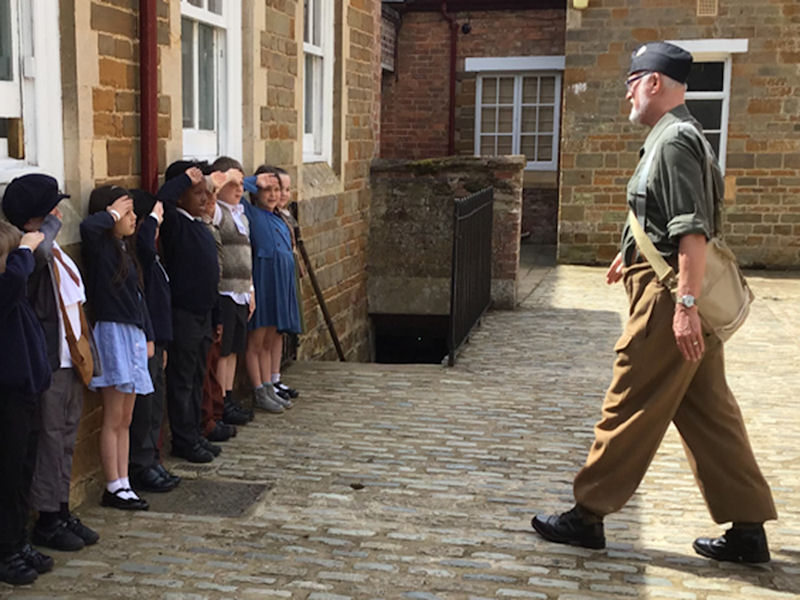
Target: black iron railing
(471, 280)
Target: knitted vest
(237, 261)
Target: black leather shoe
(570, 528)
(150, 480)
(221, 432)
(57, 538)
(14, 570)
(738, 544)
(209, 447)
(166, 474)
(116, 501)
(232, 415)
(88, 535)
(41, 563)
(195, 454)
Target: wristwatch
(686, 300)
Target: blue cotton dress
(273, 271)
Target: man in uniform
(668, 368)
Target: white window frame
(38, 64)
(516, 133)
(716, 51)
(227, 137)
(318, 144)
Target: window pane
(215, 6)
(505, 120)
(487, 145)
(713, 139)
(317, 34)
(312, 22)
(489, 120)
(529, 119)
(6, 52)
(545, 148)
(546, 116)
(708, 112)
(206, 78)
(548, 92)
(489, 93)
(506, 90)
(706, 77)
(528, 146)
(308, 96)
(187, 76)
(530, 90)
(197, 3)
(504, 144)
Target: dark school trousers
(186, 368)
(61, 408)
(652, 386)
(19, 423)
(148, 415)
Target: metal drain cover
(208, 497)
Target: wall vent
(707, 8)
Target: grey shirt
(677, 203)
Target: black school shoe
(222, 432)
(166, 474)
(116, 501)
(58, 537)
(281, 387)
(233, 415)
(209, 447)
(195, 454)
(571, 528)
(88, 535)
(738, 544)
(14, 570)
(41, 563)
(150, 479)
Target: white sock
(113, 486)
(276, 378)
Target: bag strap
(664, 271)
(68, 333)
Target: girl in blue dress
(273, 279)
(114, 292)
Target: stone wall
(411, 230)
(599, 147)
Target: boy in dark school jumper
(146, 471)
(190, 256)
(31, 204)
(24, 374)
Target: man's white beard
(635, 115)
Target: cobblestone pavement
(418, 482)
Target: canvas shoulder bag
(81, 350)
(725, 298)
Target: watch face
(687, 300)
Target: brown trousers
(654, 385)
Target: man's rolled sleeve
(682, 177)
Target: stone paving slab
(418, 481)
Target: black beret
(105, 196)
(143, 203)
(666, 58)
(30, 196)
